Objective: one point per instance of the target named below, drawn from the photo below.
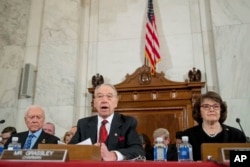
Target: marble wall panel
(13, 31)
(231, 40)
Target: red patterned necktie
(103, 134)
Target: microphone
(2, 121)
(247, 138)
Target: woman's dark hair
(145, 140)
(10, 129)
(148, 146)
(213, 96)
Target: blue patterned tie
(28, 141)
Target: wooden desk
(214, 149)
(76, 152)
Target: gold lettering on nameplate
(18, 152)
(59, 155)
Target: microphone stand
(247, 138)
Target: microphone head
(238, 120)
(2, 121)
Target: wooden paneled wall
(157, 102)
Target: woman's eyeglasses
(208, 106)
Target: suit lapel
(41, 139)
(22, 138)
(92, 130)
(114, 130)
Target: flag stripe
(152, 46)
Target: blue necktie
(28, 141)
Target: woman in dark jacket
(210, 111)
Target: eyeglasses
(139, 158)
(208, 106)
(101, 96)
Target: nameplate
(35, 155)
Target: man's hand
(106, 154)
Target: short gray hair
(106, 84)
(161, 132)
(35, 106)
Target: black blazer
(172, 154)
(44, 138)
(197, 136)
(122, 136)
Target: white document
(85, 142)
(60, 142)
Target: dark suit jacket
(172, 154)
(197, 136)
(44, 138)
(122, 136)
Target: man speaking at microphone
(113, 132)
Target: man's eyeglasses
(101, 96)
(208, 106)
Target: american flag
(152, 46)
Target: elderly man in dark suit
(121, 141)
(34, 120)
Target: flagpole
(152, 46)
(145, 61)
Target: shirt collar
(109, 119)
(37, 133)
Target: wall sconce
(27, 83)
